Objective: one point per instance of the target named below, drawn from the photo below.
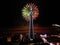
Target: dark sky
(48, 15)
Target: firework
(26, 11)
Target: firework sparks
(26, 11)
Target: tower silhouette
(31, 25)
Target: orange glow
(24, 29)
(8, 39)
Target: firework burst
(26, 11)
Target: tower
(30, 12)
(31, 25)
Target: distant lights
(56, 25)
(8, 39)
(52, 44)
(45, 35)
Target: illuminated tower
(31, 25)
(30, 12)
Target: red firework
(35, 10)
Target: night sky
(47, 15)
